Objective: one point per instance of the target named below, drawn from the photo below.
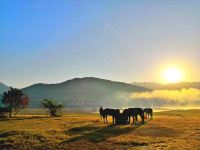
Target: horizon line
(157, 82)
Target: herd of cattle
(126, 115)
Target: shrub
(52, 106)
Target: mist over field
(161, 98)
(182, 95)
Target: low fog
(161, 98)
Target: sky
(129, 41)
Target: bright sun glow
(172, 75)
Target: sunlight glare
(172, 75)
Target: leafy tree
(52, 106)
(15, 100)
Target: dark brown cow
(134, 112)
(114, 113)
(149, 113)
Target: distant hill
(172, 86)
(81, 92)
(3, 88)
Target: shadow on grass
(97, 134)
(6, 134)
(26, 134)
(24, 118)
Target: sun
(172, 75)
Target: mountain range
(3, 88)
(81, 92)
(92, 92)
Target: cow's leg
(133, 120)
(136, 118)
(129, 117)
(142, 118)
(103, 119)
(106, 119)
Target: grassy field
(178, 129)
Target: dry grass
(168, 130)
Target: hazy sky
(52, 41)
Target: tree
(15, 100)
(52, 106)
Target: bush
(52, 106)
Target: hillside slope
(3, 88)
(81, 92)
